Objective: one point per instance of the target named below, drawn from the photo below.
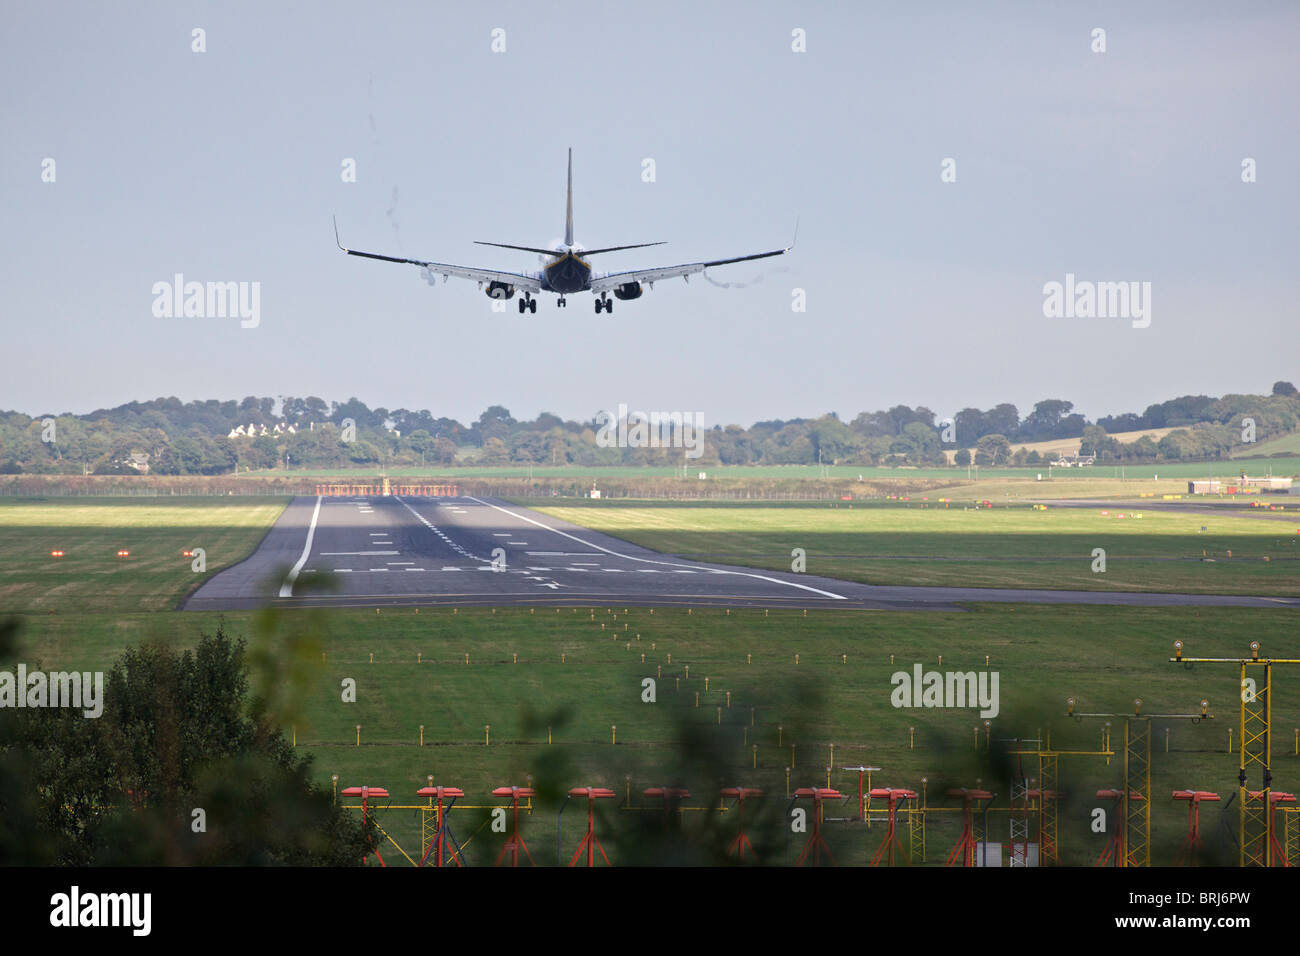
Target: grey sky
(225, 166)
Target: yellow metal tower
(1254, 748)
(1136, 805)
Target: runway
(468, 551)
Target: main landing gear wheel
(532, 306)
(522, 305)
(606, 305)
(600, 306)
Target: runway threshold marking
(286, 589)
(670, 564)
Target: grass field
(1290, 444)
(928, 543)
(1070, 446)
(1183, 470)
(517, 681)
(90, 532)
(1103, 656)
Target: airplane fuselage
(566, 273)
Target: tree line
(170, 437)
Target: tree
(178, 731)
(1285, 389)
(962, 457)
(1042, 422)
(992, 450)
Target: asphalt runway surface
(467, 551)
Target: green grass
(1169, 469)
(83, 614)
(1103, 656)
(90, 531)
(1285, 443)
(954, 544)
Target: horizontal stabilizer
(502, 245)
(639, 245)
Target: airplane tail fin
(568, 209)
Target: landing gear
(604, 304)
(532, 306)
(560, 303)
(523, 304)
(527, 304)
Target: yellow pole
(487, 734)
(295, 734)
(911, 738)
(755, 764)
(358, 735)
(548, 735)
(792, 749)
(612, 729)
(422, 735)
(787, 781)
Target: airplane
(565, 269)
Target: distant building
(1205, 486)
(1266, 484)
(1074, 461)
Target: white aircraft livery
(565, 269)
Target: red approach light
(124, 554)
(56, 554)
(364, 792)
(188, 554)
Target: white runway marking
(628, 557)
(356, 553)
(286, 589)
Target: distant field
(1103, 656)
(1070, 446)
(959, 544)
(1182, 470)
(90, 532)
(1287, 443)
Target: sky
(226, 165)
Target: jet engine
(500, 290)
(628, 290)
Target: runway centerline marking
(628, 557)
(286, 589)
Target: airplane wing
(607, 282)
(519, 280)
